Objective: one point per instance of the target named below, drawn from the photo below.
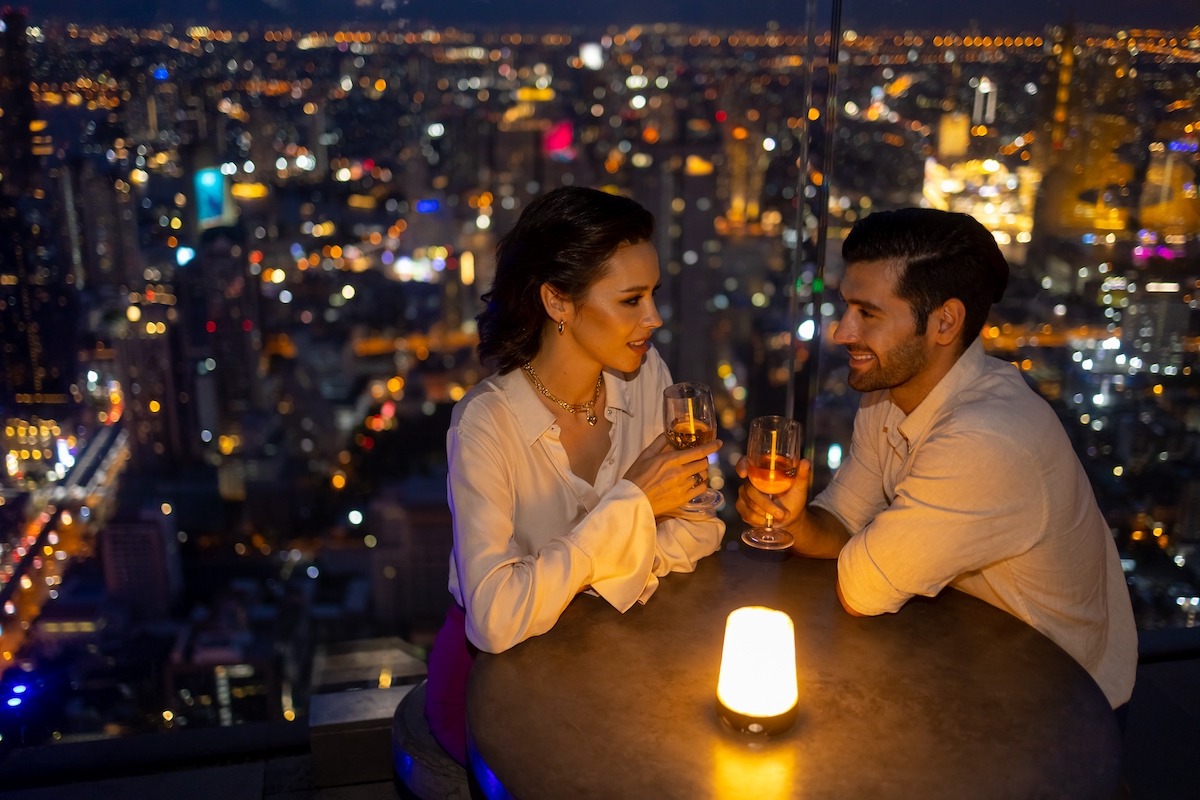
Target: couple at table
(562, 481)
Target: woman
(561, 479)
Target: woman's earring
(560, 327)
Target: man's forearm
(819, 534)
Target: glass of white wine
(690, 421)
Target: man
(958, 474)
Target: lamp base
(758, 726)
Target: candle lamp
(757, 690)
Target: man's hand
(754, 506)
(818, 533)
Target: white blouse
(529, 534)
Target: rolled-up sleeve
(942, 524)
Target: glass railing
(1075, 143)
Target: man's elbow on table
(849, 608)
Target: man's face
(877, 329)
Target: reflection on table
(949, 698)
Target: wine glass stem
(769, 518)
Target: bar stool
(422, 767)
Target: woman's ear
(555, 302)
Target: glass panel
(1075, 143)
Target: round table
(949, 698)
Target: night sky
(999, 16)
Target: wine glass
(691, 421)
(774, 455)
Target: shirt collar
(969, 366)
(617, 392)
(533, 416)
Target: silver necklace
(588, 408)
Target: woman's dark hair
(942, 254)
(563, 238)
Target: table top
(949, 698)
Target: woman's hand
(669, 477)
(754, 505)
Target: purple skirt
(446, 691)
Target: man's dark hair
(564, 238)
(941, 254)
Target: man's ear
(948, 320)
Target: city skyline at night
(250, 256)
(1011, 17)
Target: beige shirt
(979, 489)
(529, 533)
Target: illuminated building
(953, 139)
(142, 570)
(412, 543)
(20, 117)
(1155, 325)
(137, 304)
(223, 672)
(740, 181)
(530, 150)
(102, 221)
(222, 348)
(32, 447)
(999, 197)
(984, 112)
(146, 368)
(218, 296)
(1170, 201)
(1085, 188)
(38, 303)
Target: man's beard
(903, 362)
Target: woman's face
(614, 321)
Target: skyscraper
(38, 299)
(1084, 141)
(141, 564)
(19, 114)
(984, 112)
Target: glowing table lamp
(756, 690)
